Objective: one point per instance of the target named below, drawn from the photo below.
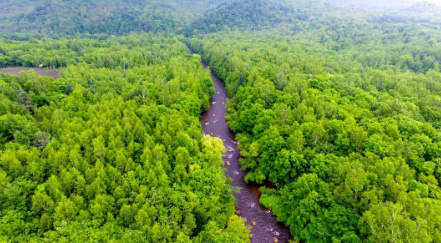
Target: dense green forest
(346, 128)
(247, 14)
(117, 17)
(112, 150)
(335, 104)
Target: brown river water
(247, 200)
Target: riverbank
(265, 227)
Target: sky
(432, 1)
(382, 3)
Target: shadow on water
(247, 200)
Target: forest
(350, 140)
(113, 148)
(335, 105)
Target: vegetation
(347, 129)
(79, 17)
(338, 106)
(112, 150)
(245, 14)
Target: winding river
(264, 227)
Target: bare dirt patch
(54, 73)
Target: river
(247, 200)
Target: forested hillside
(112, 150)
(244, 14)
(116, 17)
(336, 108)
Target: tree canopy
(350, 144)
(335, 106)
(113, 149)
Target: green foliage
(338, 109)
(76, 17)
(116, 152)
(350, 145)
(243, 14)
(97, 18)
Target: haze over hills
(244, 14)
(58, 17)
(118, 17)
(380, 5)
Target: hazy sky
(432, 1)
(382, 3)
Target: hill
(245, 14)
(118, 17)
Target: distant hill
(80, 16)
(423, 7)
(371, 4)
(59, 18)
(244, 14)
(420, 12)
(117, 17)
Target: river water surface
(247, 200)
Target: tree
(389, 223)
(41, 140)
